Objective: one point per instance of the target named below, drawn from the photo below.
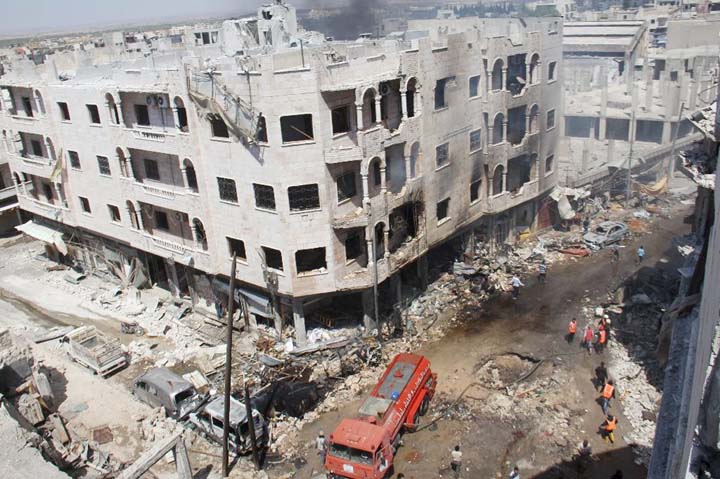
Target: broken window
(519, 170)
(85, 204)
(142, 116)
(549, 163)
(64, 111)
(27, 106)
(264, 196)
(550, 119)
(74, 159)
(354, 246)
(474, 86)
(498, 180)
(227, 190)
(104, 165)
(341, 119)
(273, 258)
(161, 221)
(218, 127)
(475, 190)
(47, 192)
(404, 224)
(36, 147)
(94, 114)
(552, 67)
(346, 186)
(442, 209)
(304, 197)
(440, 92)
(475, 140)
(442, 154)
(308, 260)
(237, 247)
(114, 213)
(151, 169)
(261, 133)
(182, 118)
(296, 128)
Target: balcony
(506, 200)
(7, 193)
(41, 208)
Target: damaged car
(605, 234)
(162, 387)
(209, 422)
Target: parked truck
(364, 447)
(89, 347)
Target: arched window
(112, 109)
(370, 116)
(534, 70)
(498, 125)
(415, 153)
(497, 75)
(181, 119)
(192, 182)
(534, 115)
(39, 102)
(412, 102)
(200, 235)
(498, 180)
(134, 221)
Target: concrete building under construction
(323, 166)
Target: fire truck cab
(364, 447)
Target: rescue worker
(588, 339)
(602, 340)
(640, 254)
(608, 393)
(572, 329)
(608, 427)
(456, 461)
(321, 446)
(542, 272)
(516, 284)
(601, 376)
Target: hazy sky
(33, 16)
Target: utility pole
(251, 425)
(631, 131)
(671, 166)
(228, 367)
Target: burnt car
(162, 387)
(605, 234)
(209, 421)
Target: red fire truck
(364, 447)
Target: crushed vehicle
(162, 387)
(208, 420)
(605, 234)
(91, 348)
(364, 447)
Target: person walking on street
(601, 341)
(588, 339)
(515, 474)
(321, 446)
(542, 272)
(640, 254)
(516, 284)
(584, 456)
(456, 461)
(572, 329)
(608, 393)
(608, 427)
(601, 376)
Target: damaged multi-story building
(324, 167)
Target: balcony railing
(155, 191)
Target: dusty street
(534, 325)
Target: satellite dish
(160, 100)
(148, 100)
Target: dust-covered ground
(536, 423)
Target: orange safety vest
(572, 328)
(611, 425)
(608, 391)
(603, 336)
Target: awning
(44, 233)
(259, 304)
